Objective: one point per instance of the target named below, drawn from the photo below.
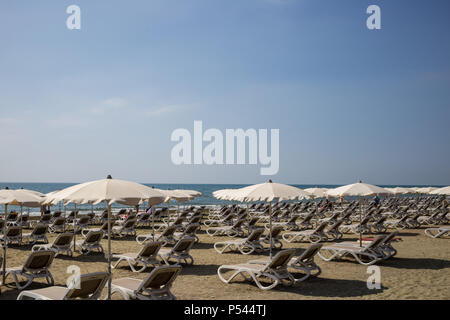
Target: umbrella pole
(74, 225)
(360, 220)
(153, 220)
(21, 213)
(270, 228)
(109, 252)
(4, 245)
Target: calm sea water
(206, 190)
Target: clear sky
(351, 103)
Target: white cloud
(160, 110)
(109, 105)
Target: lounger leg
(261, 286)
(236, 273)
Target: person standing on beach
(376, 200)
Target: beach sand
(421, 270)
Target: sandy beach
(421, 270)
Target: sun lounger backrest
(309, 253)
(255, 235)
(321, 227)
(347, 214)
(104, 227)
(144, 217)
(91, 285)
(59, 221)
(13, 231)
(94, 236)
(178, 221)
(63, 239)
(184, 244)
(40, 229)
(57, 214)
(276, 230)
(195, 219)
(192, 228)
(169, 231)
(84, 219)
(150, 249)
(39, 260)
(239, 223)
(281, 259)
(160, 277)
(365, 220)
(253, 221)
(390, 236)
(130, 223)
(308, 217)
(46, 217)
(376, 242)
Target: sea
(206, 199)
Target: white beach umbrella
(443, 191)
(109, 191)
(178, 195)
(36, 193)
(225, 194)
(317, 192)
(358, 190)
(18, 197)
(193, 193)
(426, 190)
(267, 192)
(400, 190)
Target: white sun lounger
(274, 270)
(91, 286)
(437, 232)
(244, 246)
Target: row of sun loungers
(156, 286)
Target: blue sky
(351, 104)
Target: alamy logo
(374, 280)
(374, 20)
(235, 140)
(73, 21)
(73, 281)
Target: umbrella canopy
(36, 193)
(178, 195)
(443, 191)
(358, 190)
(110, 191)
(193, 193)
(225, 194)
(426, 190)
(317, 192)
(18, 197)
(401, 190)
(268, 192)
